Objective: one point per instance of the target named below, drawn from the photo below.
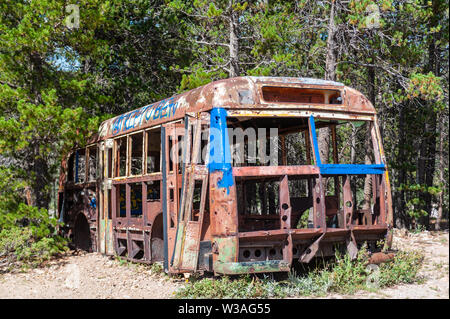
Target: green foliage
(415, 202)
(123, 261)
(157, 268)
(303, 221)
(346, 275)
(20, 247)
(224, 287)
(27, 233)
(315, 284)
(28, 237)
(58, 83)
(267, 40)
(342, 276)
(44, 106)
(427, 86)
(199, 77)
(403, 269)
(10, 187)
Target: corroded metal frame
(218, 243)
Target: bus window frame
(341, 169)
(88, 162)
(147, 132)
(76, 169)
(116, 163)
(130, 153)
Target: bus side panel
(224, 224)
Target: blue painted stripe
(220, 154)
(353, 166)
(331, 169)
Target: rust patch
(378, 258)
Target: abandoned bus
(242, 175)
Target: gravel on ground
(95, 276)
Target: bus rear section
(278, 194)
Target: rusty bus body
(127, 194)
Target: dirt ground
(96, 276)
(88, 276)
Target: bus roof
(249, 93)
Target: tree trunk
(234, 42)
(330, 74)
(353, 160)
(368, 142)
(421, 167)
(430, 167)
(41, 181)
(368, 178)
(323, 138)
(330, 62)
(400, 219)
(441, 173)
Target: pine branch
(213, 43)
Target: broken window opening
(180, 141)
(121, 207)
(269, 141)
(153, 190)
(108, 200)
(301, 200)
(80, 166)
(110, 160)
(300, 95)
(172, 203)
(71, 168)
(258, 204)
(352, 145)
(136, 200)
(265, 198)
(153, 151)
(171, 155)
(92, 163)
(136, 154)
(350, 142)
(296, 149)
(121, 157)
(196, 200)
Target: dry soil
(92, 275)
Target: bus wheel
(82, 234)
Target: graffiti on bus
(135, 202)
(159, 110)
